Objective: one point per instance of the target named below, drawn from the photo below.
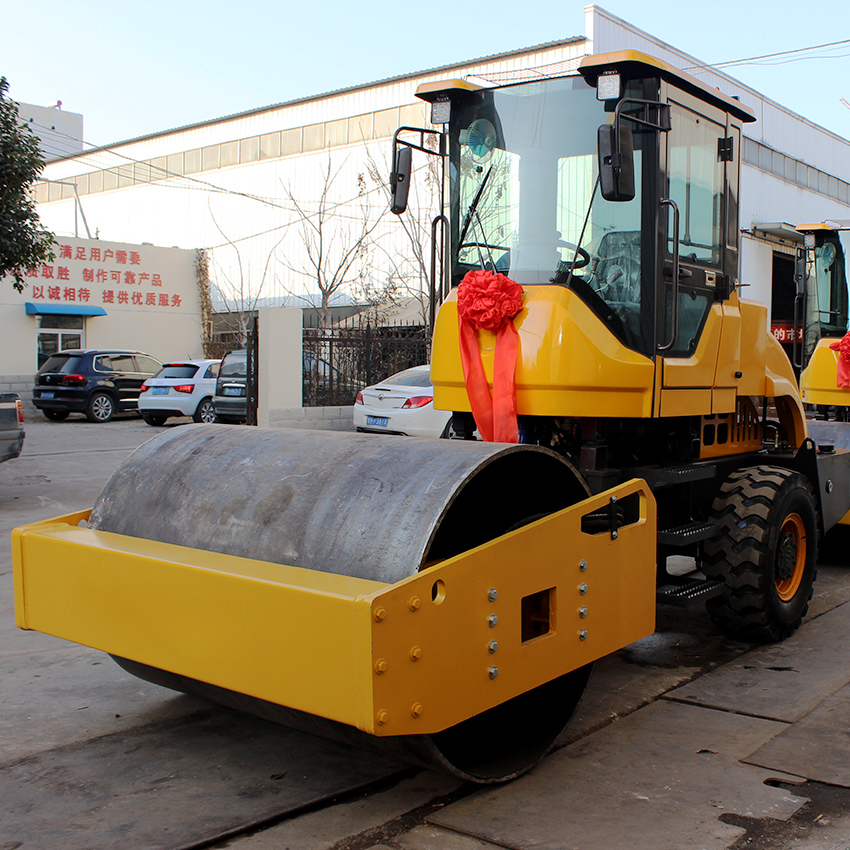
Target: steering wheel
(482, 245)
(583, 256)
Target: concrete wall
(280, 355)
(315, 418)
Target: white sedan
(402, 404)
(180, 389)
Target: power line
(780, 55)
(331, 208)
(202, 185)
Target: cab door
(702, 330)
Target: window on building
(270, 146)
(174, 164)
(314, 137)
(229, 154)
(290, 141)
(159, 168)
(413, 115)
(192, 161)
(386, 123)
(59, 333)
(336, 133)
(210, 158)
(249, 150)
(360, 128)
(142, 172)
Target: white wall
(280, 378)
(756, 271)
(87, 272)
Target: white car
(402, 404)
(180, 389)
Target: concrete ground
(685, 739)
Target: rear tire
(101, 408)
(205, 412)
(56, 415)
(152, 419)
(765, 553)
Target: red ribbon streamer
(842, 346)
(489, 301)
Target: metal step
(687, 592)
(659, 476)
(684, 534)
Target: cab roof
(631, 62)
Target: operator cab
(823, 280)
(527, 196)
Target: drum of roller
(374, 507)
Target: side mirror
(616, 162)
(400, 179)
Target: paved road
(684, 739)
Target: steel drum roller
(379, 508)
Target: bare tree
(239, 289)
(337, 244)
(409, 271)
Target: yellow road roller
(444, 600)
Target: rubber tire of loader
(765, 553)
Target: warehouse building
(254, 189)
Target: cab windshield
(526, 202)
(827, 302)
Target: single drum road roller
(446, 598)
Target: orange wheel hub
(790, 557)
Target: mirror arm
(421, 146)
(663, 123)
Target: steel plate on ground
(816, 747)
(174, 784)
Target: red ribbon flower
(842, 346)
(489, 301)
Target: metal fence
(340, 361)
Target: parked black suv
(97, 382)
(231, 389)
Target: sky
(137, 68)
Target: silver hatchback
(180, 389)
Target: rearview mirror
(400, 179)
(616, 162)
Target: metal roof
(333, 93)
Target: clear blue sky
(137, 68)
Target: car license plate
(380, 421)
(46, 395)
(233, 390)
(159, 390)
